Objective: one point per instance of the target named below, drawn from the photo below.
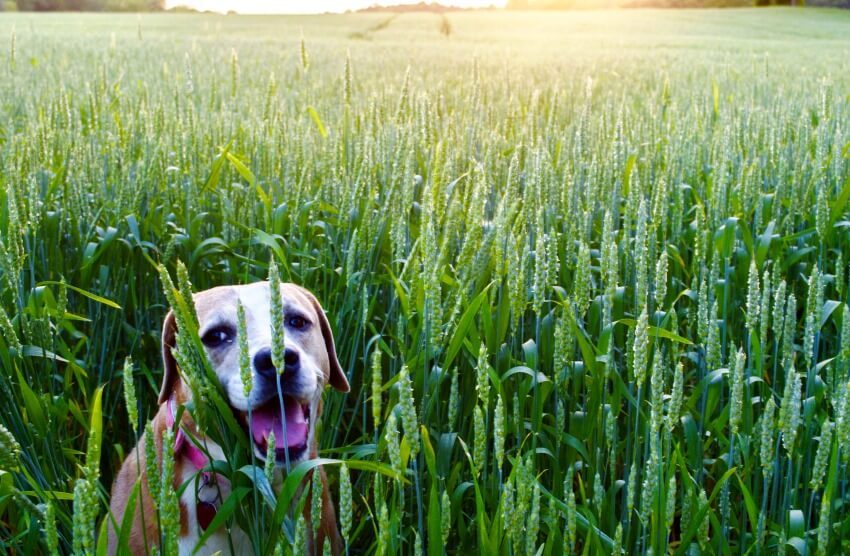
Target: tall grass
(586, 272)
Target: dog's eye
(297, 323)
(216, 337)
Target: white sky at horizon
(310, 6)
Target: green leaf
(129, 515)
(627, 173)
(659, 332)
(58, 494)
(463, 327)
(822, 364)
(222, 514)
(37, 351)
(215, 173)
(318, 121)
(264, 238)
(261, 482)
(480, 508)
(434, 509)
(832, 477)
(798, 545)
(102, 538)
(96, 426)
(92, 296)
(575, 444)
(435, 547)
(795, 256)
(428, 450)
(840, 202)
(583, 523)
(588, 352)
(243, 170)
(749, 503)
(829, 307)
(522, 369)
(697, 518)
(401, 294)
(796, 524)
(35, 411)
(724, 237)
(248, 176)
(763, 245)
(693, 449)
(435, 544)
(296, 476)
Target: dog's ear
(169, 365)
(337, 378)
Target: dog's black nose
(291, 360)
(264, 365)
(263, 362)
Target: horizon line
(351, 6)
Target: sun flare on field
(312, 7)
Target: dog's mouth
(290, 432)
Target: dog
(310, 365)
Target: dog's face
(310, 362)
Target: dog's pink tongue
(267, 418)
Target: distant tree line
(86, 5)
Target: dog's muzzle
(286, 415)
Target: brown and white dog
(310, 365)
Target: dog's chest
(218, 542)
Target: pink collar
(205, 511)
(181, 443)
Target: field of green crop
(587, 272)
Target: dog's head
(310, 362)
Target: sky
(308, 6)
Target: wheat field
(587, 272)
